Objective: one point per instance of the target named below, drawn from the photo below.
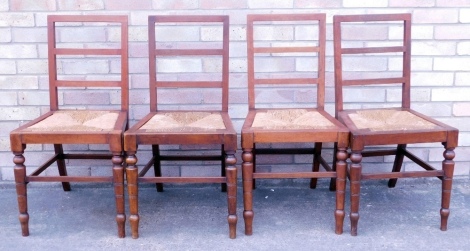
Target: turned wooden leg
(133, 192)
(61, 165)
(247, 174)
(222, 170)
(231, 172)
(355, 178)
(253, 162)
(398, 163)
(118, 182)
(316, 164)
(20, 180)
(448, 168)
(157, 166)
(341, 157)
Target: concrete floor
(194, 218)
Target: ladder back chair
(387, 126)
(184, 127)
(291, 125)
(86, 126)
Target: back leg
(222, 171)
(157, 167)
(61, 165)
(401, 148)
(316, 163)
(333, 180)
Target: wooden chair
(299, 125)
(388, 126)
(184, 127)
(65, 126)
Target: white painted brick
(317, 3)
(238, 65)
(461, 154)
(452, 64)
(136, 34)
(18, 82)
(446, 32)
(211, 33)
(462, 78)
(308, 64)
(464, 15)
(212, 64)
(78, 66)
(238, 33)
(363, 94)
(266, 33)
(417, 94)
(17, 19)
(270, 4)
(463, 48)
(433, 48)
(364, 64)
(411, 3)
(7, 127)
(461, 109)
(28, 5)
(306, 32)
(432, 79)
(237, 50)
(8, 98)
(458, 122)
(7, 67)
(439, 16)
(417, 64)
(29, 35)
(179, 33)
(227, 4)
(433, 109)
(18, 113)
(33, 98)
(18, 51)
(450, 94)
(35, 66)
(182, 65)
(6, 35)
(274, 64)
(464, 139)
(4, 5)
(81, 5)
(171, 4)
(452, 3)
(365, 3)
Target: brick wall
(440, 64)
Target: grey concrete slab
(194, 218)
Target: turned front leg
(20, 180)
(231, 178)
(118, 182)
(341, 156)
(355, 178)
(133, 192)
(448, 168)
(247, 174)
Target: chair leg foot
(248, 217)
(448, 168)
(21, 194)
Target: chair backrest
(155, 83)
(317, 20)
(404, 20)
(54, 51)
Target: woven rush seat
(184, 122)
(77, 121)
(389, 120)
(291, 119)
